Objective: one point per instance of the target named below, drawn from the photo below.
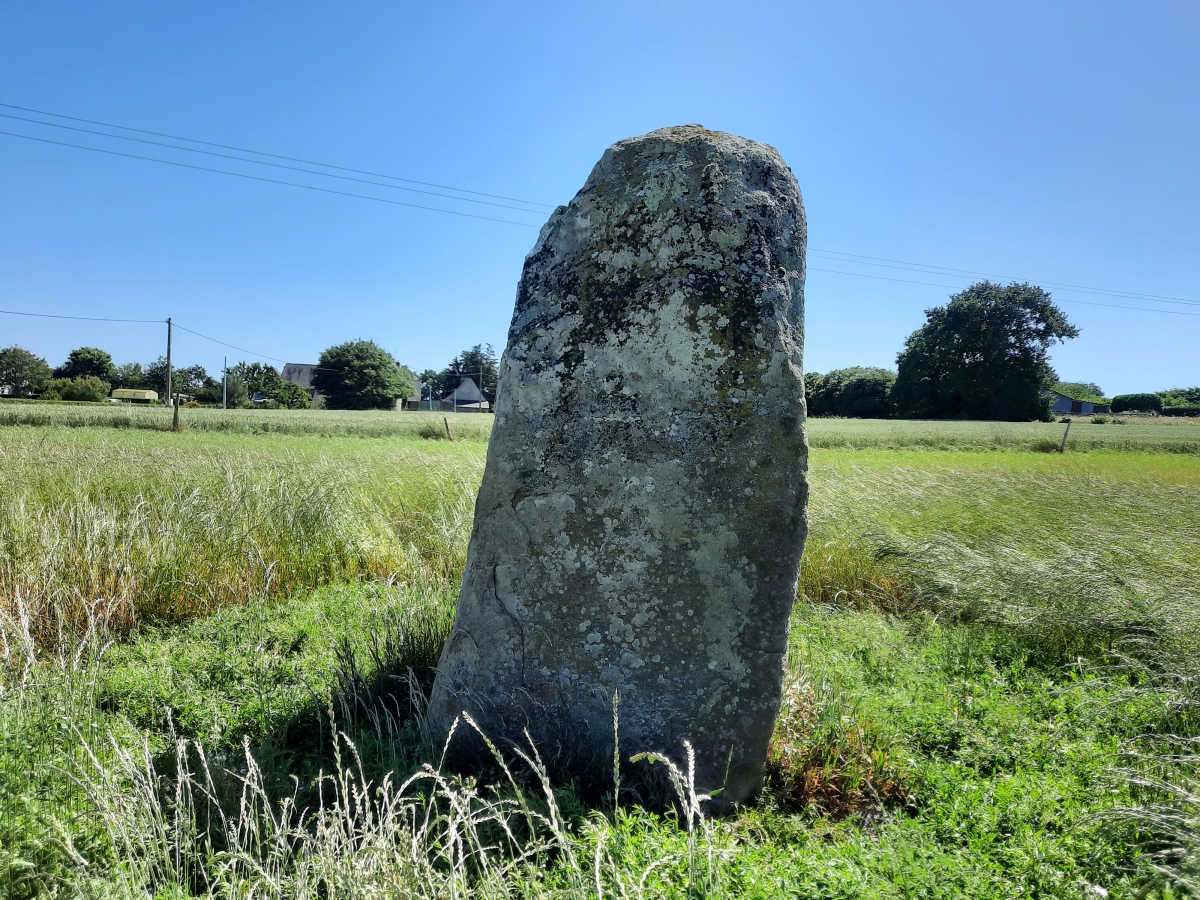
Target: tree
(86, 361)
(208, 392)
(237, 395)
(431, 384)
(184, 379)
(259, 378)
(479, 364)
(985, 355)
(87, 387)
(1081, 390)
(860, 392)
(130, 375)
(22, 373)
(361, 375)
(1187, 396)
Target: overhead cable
(307, 187)
(259, 162)
(309, 162)
(950, 287)
(919, 267)
(231, 346)
(13, 312)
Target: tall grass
(428, 835)
(210, 554)
(1073, 560)
(93, 530)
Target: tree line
(357, 374)
(984, 355)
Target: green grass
(1138, 434)
(992, 686)
(329, 423)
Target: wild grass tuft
(827, 754)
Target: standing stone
(642, 513)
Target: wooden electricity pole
(170, 395)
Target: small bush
(1044, 445)
(1065, 420)
(1099, 420)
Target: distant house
(465, 398)
(1063, 405)
(299, 373)
(302, 374)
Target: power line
(13, 312)
(259, 162)
(309, 162)
(307, 187)
(882, 261)
(231, 346)
(831, 255)
(1169, 312)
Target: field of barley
(214, 647)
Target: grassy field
(214, 646)
(1142, 434)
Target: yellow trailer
(131, 396)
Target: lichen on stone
(641, 518)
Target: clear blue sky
(1051, 141)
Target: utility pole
(225, 382)
(170, 397)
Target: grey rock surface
(642, 514)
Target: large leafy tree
(85, 362)
(479, 364)
(22, 372)
(361, 375)
(984, 355)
